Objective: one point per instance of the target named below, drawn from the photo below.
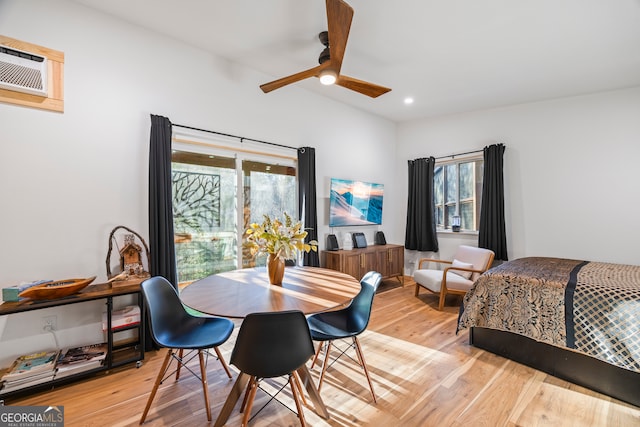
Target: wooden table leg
(314, 395)
(235, 393)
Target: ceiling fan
(339, 16)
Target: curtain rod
(223, 147)
(453, 156)
(241, 138)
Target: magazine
(83, 354)
(76, 368)
(32, 364)
(34, 377)
(80, 359)
(26, 382)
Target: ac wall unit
(23, 71)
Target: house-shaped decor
(132, 266)
(131, 257)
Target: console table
(387, 260)
(120, 352)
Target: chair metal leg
(163, 369)
(205, 386)
(296, 398)
(252, 395)
(224, 364)
(364, 367)
(325, 365)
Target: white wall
(571, 171)
(66, 180)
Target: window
(458, 191)
(207, 200)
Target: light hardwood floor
(423, 374)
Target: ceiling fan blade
(361, 86)
(276, 84)
(339, 16)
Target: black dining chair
(174, 328)
(348, 322)
(272, 345)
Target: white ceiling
(449, 55)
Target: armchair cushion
(477, 256)
(465, 274)
(432, 280)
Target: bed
(576, 320)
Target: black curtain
(307, 210)
(161, 241)
(492, 234)
(420, 233)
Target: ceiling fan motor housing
(325, 55)
(324, 38)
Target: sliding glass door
(204, 214)
(269, 189)
(215, 198)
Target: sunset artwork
(355, 203)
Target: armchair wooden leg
(417, 290)
(443, 294)
(205, 386)
(163, 369)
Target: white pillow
(465, 274)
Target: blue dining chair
(272, 345)
(174, 328)
(348, 322)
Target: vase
(275, 269)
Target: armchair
(458, 277)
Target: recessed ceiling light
(408, 100)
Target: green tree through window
(457, 189)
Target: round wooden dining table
(234, 294)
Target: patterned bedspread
(590, 307)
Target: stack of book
(75, 360)
(29, 370)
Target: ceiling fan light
(328, 77)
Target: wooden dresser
(388, 260)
